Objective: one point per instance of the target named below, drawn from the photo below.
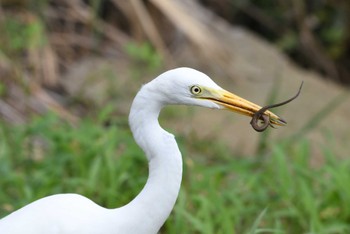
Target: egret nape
(147, 212)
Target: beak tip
(281, 121)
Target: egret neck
(158, 197)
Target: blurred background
(69, 70)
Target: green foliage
(20, 34)
(2, 89)
(49, 156)
(221, 192)
(144, 55)
(329, 19)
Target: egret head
(190, 87)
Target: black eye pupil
(195, 90)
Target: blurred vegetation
(316, 34)
(280, 192)
(42, 39)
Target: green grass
(221, 193)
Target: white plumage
(73, 213)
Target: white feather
(72, 213)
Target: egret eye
(196, 90)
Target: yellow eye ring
(196, 90)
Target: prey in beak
(261, 116)
(266, 121)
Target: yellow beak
(240, 105)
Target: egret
(147, 212)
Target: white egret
(73, 213)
